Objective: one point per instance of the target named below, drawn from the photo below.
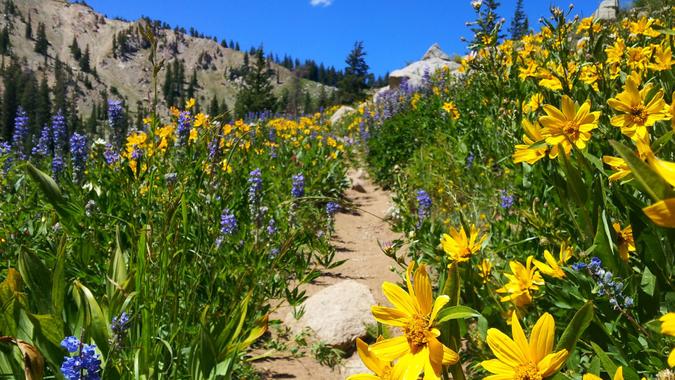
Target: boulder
(434, 59)
(354, 366)
(337, 314)
(340, 114)
(607, 10)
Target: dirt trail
(356, 239)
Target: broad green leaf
(38, 279)
(648, 282)
(603, 242)
(59, 279)
(98, 324)
(576, 328)
(606, 362)
(456, 312)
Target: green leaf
(456, 312)
(59, 279)
(648, 282)
(651, 182)
(575, 329)
(606, 362)
(97, 322)
(603, 242)
(38, 279)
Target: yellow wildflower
(636, 113)
(174, 111)
(227, 168)
(484, 270)
(668, 328)
(534, 148)
(415, 100)
(616, 51)
(451, 109)
(590, 75)
(534, 103)
(552, 267)
(190, 103)
(661, 213)
(414, 312)
(663, 58)
(528, 71)
(619, 165)
(671, 110)
(568, 125)
(458, 246)
(519, 359)
(625, 240)
(194, 133)
(638, 57)
(589, 24)
(201, 120)
(522, 283)
(382, 369)
(643, 26)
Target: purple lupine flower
(506, 200)
(110, 156)
(423, 206)
(57, 165)
(42, 146)
(184, 125)
(607, 284)
(332, 208)
(59, 132)
(298, 189)
(5, 149)
(114, 113)
(78, 153)
(214, 148)
(20, 133)
(469, 160)
(119, 326)
(84, 366)
(228, 222)
(255, 184)
(271, 227)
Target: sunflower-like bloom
(524, 281)
(569, 125)
(383, 370)
(663, 58)
(625, 240)
(668, 328)
(414, 312)
(617, 164)
(534, 148)
(484, 270)
(451, 109)
(618, 375)
(636, 114)
(519, 359)
(552, 267)
(459, 247)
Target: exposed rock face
(337, 314)
(607, 10)
(432, 60)
(340, 114)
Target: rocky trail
(338, 307)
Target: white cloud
(323, 3)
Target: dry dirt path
(356, 239)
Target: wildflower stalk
(452, 289)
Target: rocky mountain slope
(127, 76)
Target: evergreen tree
(322, 101)
(256, 95)
(225, 111)
(519, 24)
(353, 84)
(10, 101)
(5, 42)
(75, 49)
(214, 107)
(60, 87)
(114, 45)
(194, 84)
(223, 43)
(308, 106)
(43, 109)
(29, 28)
(167, 87)
(92, 121)
(85, 61)
(41, 42)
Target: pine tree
(194, 84)
(308, 106)
(256, 95)
(10, 100)
(114, 46)
(85, 61)
(214, 107)
(225, 111)
(352, 86)
(519, 24)
(44, 104)
(322, 101)
(60, 87)
(167, 87)
(41, 42)
(75, 49)
(5, 42)
(223, 43)
(29, 28)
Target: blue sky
(395, 32)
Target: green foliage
(255, 95)
(353, 85)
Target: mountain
(118, 55)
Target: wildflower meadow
(533, 194)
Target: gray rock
(353, 366)
(434, 59)
(337, 314)
(340, 114)
(607, 10)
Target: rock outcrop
(337, 314)
(607, 10)
(340, 114)
(434, 59)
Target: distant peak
(435, 51)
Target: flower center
(527, 371)
(571, 130)
(416, 332)
(638, 114)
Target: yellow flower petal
(399, 298)
(504, 348)
(390, 349)
(519, 336)
(541, 338)
(498, 367)
(551, 363)
(369, 360)
(662, 213)
(390, 316)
